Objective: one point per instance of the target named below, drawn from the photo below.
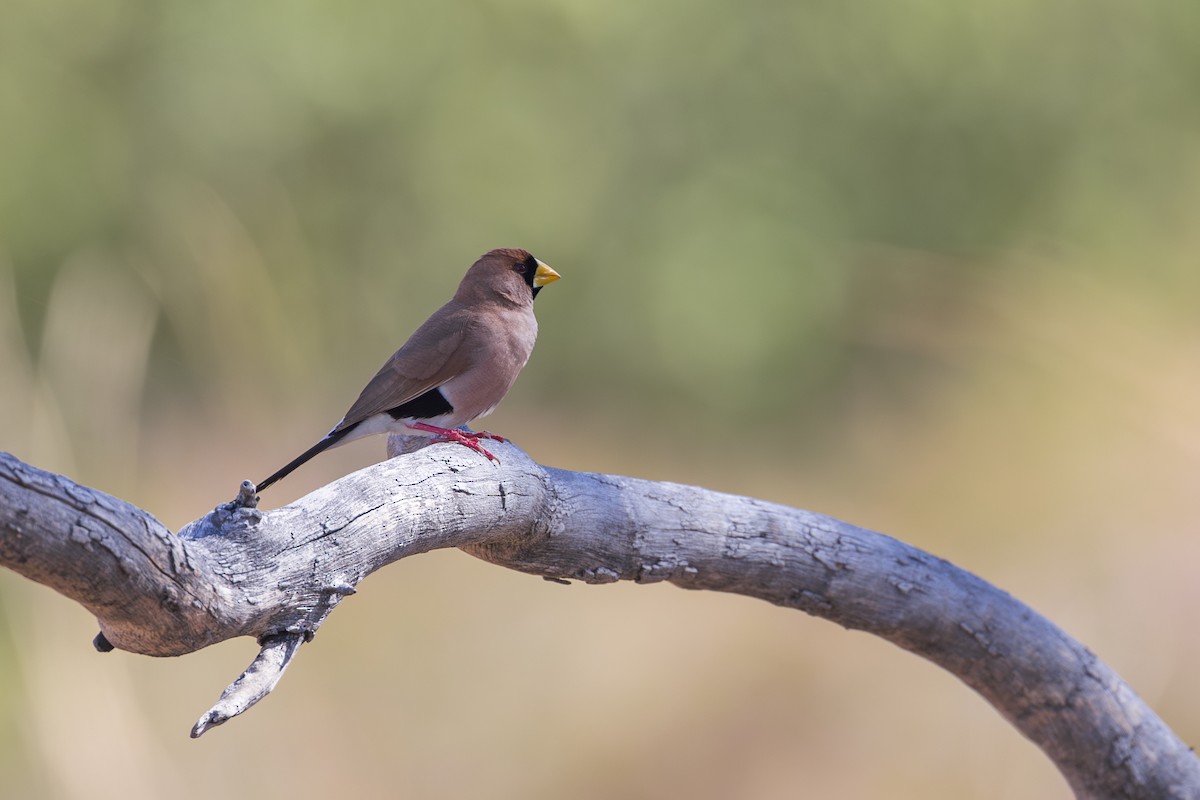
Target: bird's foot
(468, 439)
(483, 435)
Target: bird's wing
(432, 355)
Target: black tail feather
(329, 441)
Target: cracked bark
(277, 576)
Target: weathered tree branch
(277, 575)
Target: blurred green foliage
(933, 262)
(294, 185)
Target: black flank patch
(427, 406)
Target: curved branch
(277, 575)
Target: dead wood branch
(277, 575)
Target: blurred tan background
(929, 267)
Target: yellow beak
(544, 275)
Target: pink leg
(469, 440)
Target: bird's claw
(485, 435)
(465, 437)
(471, 441)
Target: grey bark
(277, 575)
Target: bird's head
(508, 273)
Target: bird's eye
(520, 268)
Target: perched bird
(456, 367)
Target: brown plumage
(457, 366)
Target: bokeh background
(930, 267)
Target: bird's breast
(494, 367)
